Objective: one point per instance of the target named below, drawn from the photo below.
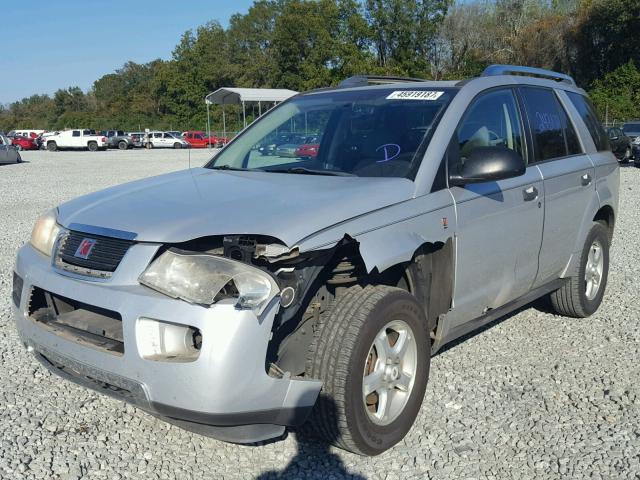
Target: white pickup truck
(76, 139)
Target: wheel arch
(426, 271)
(589, 215)
(606, 214)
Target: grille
(103, 259)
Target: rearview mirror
(488, 164)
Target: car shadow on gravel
(313, 458)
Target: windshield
(368, 133)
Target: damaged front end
(304, 283)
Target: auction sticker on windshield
(414, 95)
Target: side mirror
(488, 164)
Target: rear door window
(590, 119)
(553, 133)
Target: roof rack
(493, 70)
(364, 80)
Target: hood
(195, 203)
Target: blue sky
(51, 44)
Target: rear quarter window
(590, 119)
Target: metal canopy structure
(243, 96)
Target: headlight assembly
(206, 279)
(45, 232)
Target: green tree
(404, 32)
(617, 94)
(605, 37)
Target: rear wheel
(52, 146)
(372, 353)
(582, 294)
(122, 145)
(92, 146)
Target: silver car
(255, 294)
(8, 152)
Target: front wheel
(582, 294)
(52, 146)
(372, 353)
(177, 145)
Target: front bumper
(225, 392)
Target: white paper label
(414, 95)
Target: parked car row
(625, 142)
(93, 140)
(632, 130)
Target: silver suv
(261, 292)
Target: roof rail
(492, 70)
(364, 80)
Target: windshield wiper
(228, 167)
(309, 171)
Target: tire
(52, 146)
(177, 146)
(573, 298)
(92, 146)
(341, 352)
(122, 145)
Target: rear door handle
(585, 179)
(530, 193)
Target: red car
(307, 150)
(197, 139)
(24, 143)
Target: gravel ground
(533, 396)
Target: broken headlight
(206, 279)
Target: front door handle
(585, 180)
(530, 193)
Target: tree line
(304, 44)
